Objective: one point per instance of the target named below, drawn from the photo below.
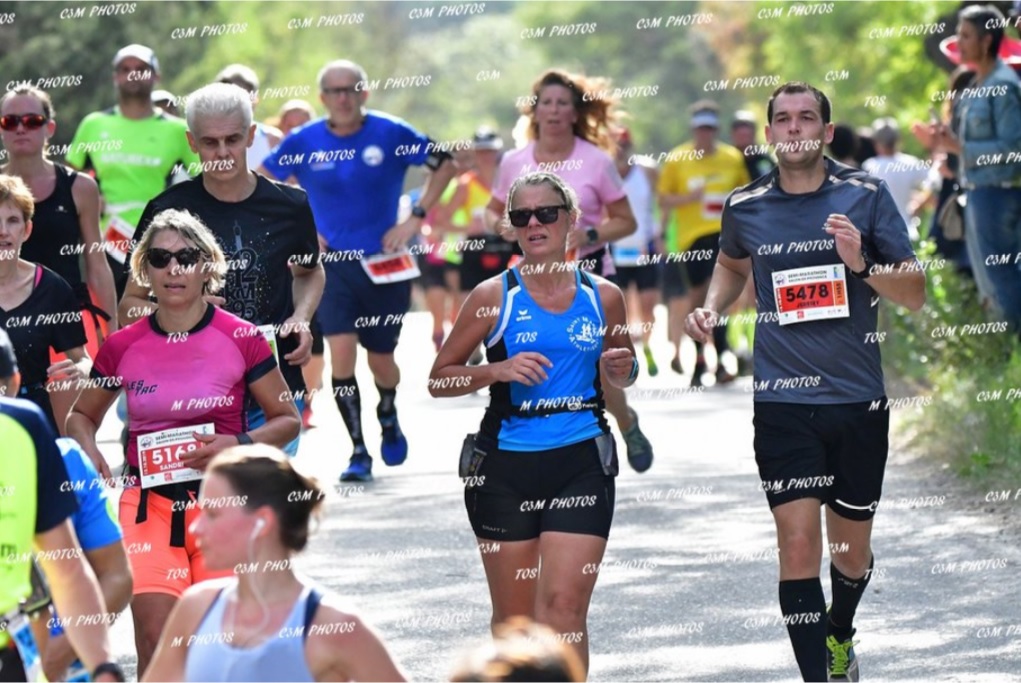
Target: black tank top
(56, 234)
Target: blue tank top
(281, 657)
(568, 407)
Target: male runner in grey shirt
(823, 241)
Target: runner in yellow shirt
(695, 181)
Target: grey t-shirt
(833, 360)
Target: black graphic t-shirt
(259, 236)
(50, 318)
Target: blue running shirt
(95, 523)
(354, 182)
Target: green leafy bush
(971, 374)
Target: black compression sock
(387, 401)
(349, 402)
(803, 606)
(720, 339)
(847, 594)
(699, 353)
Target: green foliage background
(454, 50)
(679, 60)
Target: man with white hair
(353, 163)
(265, 228)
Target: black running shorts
(433, 275)
(673, 282)
(480, 265)
(519, 495)
(318, 344)
(836, 453)
(11, 668)
(644, 277)
(699, 260)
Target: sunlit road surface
(688, 589)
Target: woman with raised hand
(571, 117)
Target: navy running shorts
(353, 304)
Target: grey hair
(341, 64)
(191, 228)
(552, 180)
(218, 99)
(239, 74)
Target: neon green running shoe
(651, 362)
(842, 664)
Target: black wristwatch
(593, 235)
(109, 668)
(417, 211)
(867, 271)
(244, 439)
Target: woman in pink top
(185, 370)
(569, 135)
(571, 117)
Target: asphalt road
(688, 588)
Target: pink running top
(589, 171)
(184, 379)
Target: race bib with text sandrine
(159, 455)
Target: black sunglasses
(29, 121)
(350, 90)
(546, 214)
(160, 258)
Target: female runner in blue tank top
(540, 499)
(265, 623)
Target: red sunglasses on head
(29, 121)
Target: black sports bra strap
(311, 605)
(512, 279)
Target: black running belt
(175, 492)
(580, 406)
